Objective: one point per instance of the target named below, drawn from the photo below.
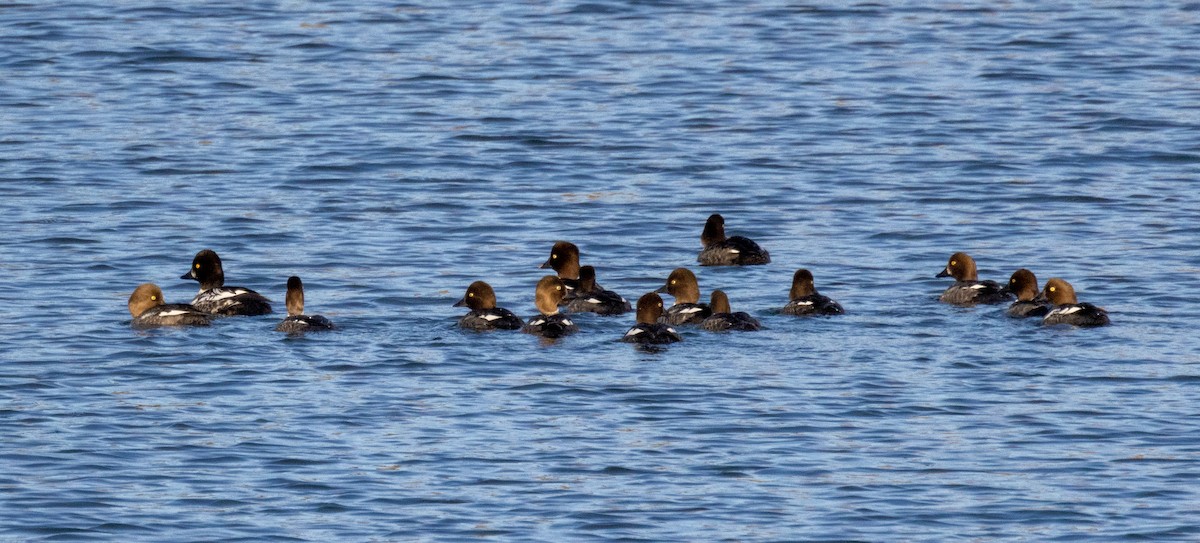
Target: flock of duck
(574, 289)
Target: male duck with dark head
(648, 330)
(296, 320)
(687, 309)
(484, 314)
(550, 323)
(564, 259)
(805, 300)
(732, 251)
(590, 298)
(149, 310)
(967, 288)
(216, 298)
(1024, 284)
(1067, 309)
(723, 319)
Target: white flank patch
(671, 330)
(691, 310)
(174, 312)
(490, 317)
(567, 322)
(538, 322)
(734, 251)
(633, 332)
(804, 303)
(1068, 310)
(223, 294)
(980, 286)
(593, 300)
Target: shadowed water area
(392, 153)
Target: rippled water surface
(391, 153)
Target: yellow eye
(197, 265)
(953, 262)
(1012, 280)
(673, 281)
(153, 297)
(471, 294)
(557, 288)
(553, 256)
(1052, 289)
(660, 304)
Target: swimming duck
(805, 300)
(215, 298)
(1024, 284)
(550, 323)
(297, 321)
(149, 310)
(648, 330)
(687, 309)
(590, 298)
(1067, 309)
(724, 319)
(484, 314)
(564, 259)
(732, 251)
(967, 288)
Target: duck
(967, 288)
(648, 330)
(732, 251)
(687, 309)
(805, 300)
(723, 318)
(149, 310)
(1023, 284)
(564, 260)
(590, 298)
(484, 314)
(1067, 309)
(215, 298)
(297, 321)
(550, 323)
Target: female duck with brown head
(732, 251)
(967, 288)
(217, 299)
(723, 319)
(805, 300)
(590, 298)
(1067, 309)
(1024, 284)
(648, 330)
(297, 321)
(687, 309)
(484, 314)
(564, 260)
(149, 310)
(550, 323)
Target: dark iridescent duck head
(206, 268)
(548, 293)
(564, 259)
(961, 267)
(714, 230)
(649, 308)
(802, 284)
(145, 297)
(479, 296)
(1024, 284)
(683, 286)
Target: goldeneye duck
(590, 298)
(296, 320)
(149, 310)
(724, 319)
(564, 259)
(215, 298)
(1067, 309)
(967, 288)
(484, 314)
(648, 330)
(732, 251)
(805, 300)
(550, 323)
(687, 309)
(1024, 284)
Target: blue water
(391, 153)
